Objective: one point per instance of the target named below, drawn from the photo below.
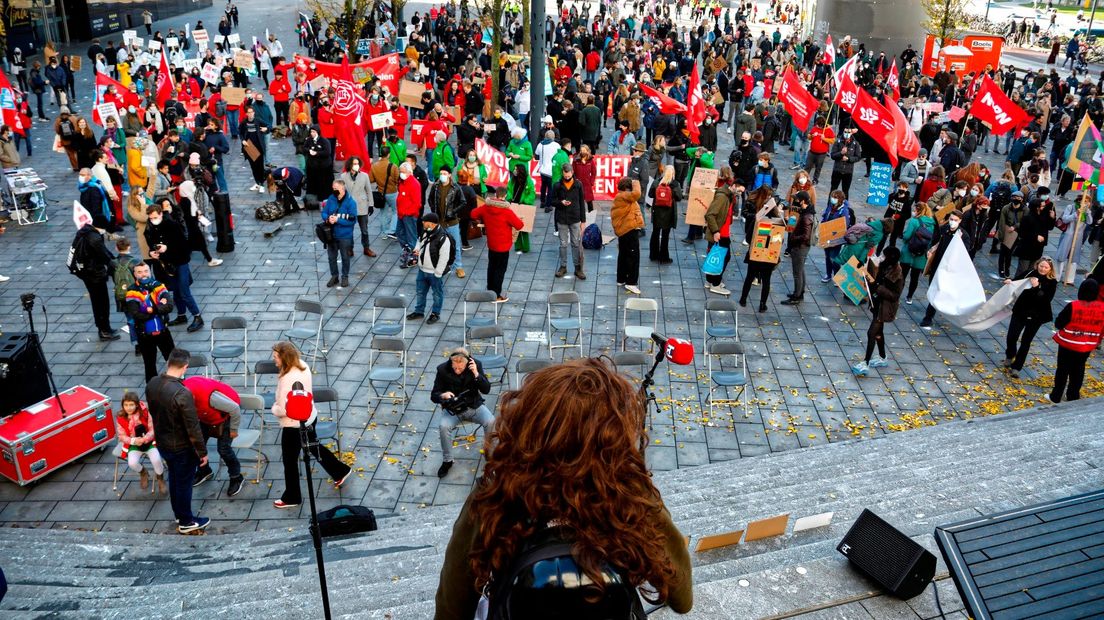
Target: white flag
(956, 289)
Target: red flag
(893, 81)
(798, 102)
(871, 117)
(908, 146)
(11, 115)
(123, 97)
(994, 107)
(388, 70)
(666, 104)
(848, 93)
(829, 57)
(695, 110)
(348, 110)
(165, 87)
(498, 171)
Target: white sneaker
(4, 278)
(253, 187)
(878, 362)
(632, 289)
(261, 189)
(860, 369)
(720, 290)
(214, 262)
(744, 242)
(556, 233)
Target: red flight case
(41, 439)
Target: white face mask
(960, 192)
(356, 168)
(404, 175)
(953, 224)
(802, 179)
(445, 177)
(155, 221)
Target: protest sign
(956, 290)
(410, 94)
(830, 233)
(702, 188)
(381, 121)
(766, 245)
(129, 35)
(74, 63)
(881, 184)
(233, 38)
(154, 45)
(107, 110)
(209, 73)
(851, 279)
(172, 42)
(191, 63)
(319, 83)
(233, 96)
(244, 59)
(199, 36)
(943, 212)
(364, 47)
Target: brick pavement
(803, 391)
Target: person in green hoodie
(699, 156)
(519, 153)
(397, 146)
(443, 155)
(562, 156)
(922, 226)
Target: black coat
(1032, 226)
(1033, 304)
(666, 217)
(448, 381)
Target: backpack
(920, 240)
(269, 212)
(663, 196)
(220, 107)
(123, 276)
(549, 552)
(435, 247)
(79, 257)
(592, 237)
(1002, 195)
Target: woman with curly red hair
(566, 455)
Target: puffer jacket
(174, 415)
(625, 213)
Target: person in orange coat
(627, 222)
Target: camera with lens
(456, 405)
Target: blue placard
(881, 183)
(1100, 193)
(364, 47)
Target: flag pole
(1071, 264)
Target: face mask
(973, 192)
(960, 192)
(471, 158)
(445, 177)
(145, 281)
(834, 200)
(763, 164)
(356, 167)
(802, 179)
(403, 175)
(954, 224)
(155, 221)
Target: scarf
(94, 183)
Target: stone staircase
(915, 480)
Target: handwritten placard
(209, 73)
(702, 188)
(881, 184)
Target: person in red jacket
(593, 60)
(1080, 328)
(326, 127)
(499, 222)
(409, 208)
(376, 105)
(280, 89)
(401, 116)
(218, 407)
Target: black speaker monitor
(881, 552)
(23, 378)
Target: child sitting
(134, 426)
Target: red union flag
(848, 94)
(994, 107)
(798, 102)
(165, 86)
(498, 172)
(695, 111)
(11, 115)
(893, 82)
(348, 111)
(829, 57)
(388, 70)
(908, 146)
(877, 122)
(666, 104)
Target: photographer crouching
(459, 388)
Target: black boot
(197, 324)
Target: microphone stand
(28, 300)
(316, 535)
(647, 396)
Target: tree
(526, 27)
(491, 17)
(946, 19)
(346, 17)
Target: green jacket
(591, 120)
(398, 152)
(916, 261)
(524, 151)
(705, 160)
(558, 160)
(443, 155)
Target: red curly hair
(567, 447)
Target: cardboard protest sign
(244, 59)
(702, 187)
(233, 96)
(766, 245)
(527, 214)
(943, 212)
(830, 233)
(75, 62)
(410, 94)
(851, 279)
(454, 112)
(107, 110)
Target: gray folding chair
(571, 321)
(248, 438)
(308, 337)
(642, 306)
(716, 310)
(384, 345)
(198, 361)
(385, 326)
(480, 339)
(526, 366)
(725, 377)
(474, 319)
(628, 359)
(328, 428)
(230, 350)
(265, 367)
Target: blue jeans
(408, 231)
(427, 281)
(232, 119)
(225, 450)
(27, 139)
(454, 232)
(830, 266)
(389, 214)
(181, 287)
(182, 467)
(344, 247)
(800, 147)
(220, 176)
(481, 416)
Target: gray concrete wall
(883, 25)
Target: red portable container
(41, 439)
